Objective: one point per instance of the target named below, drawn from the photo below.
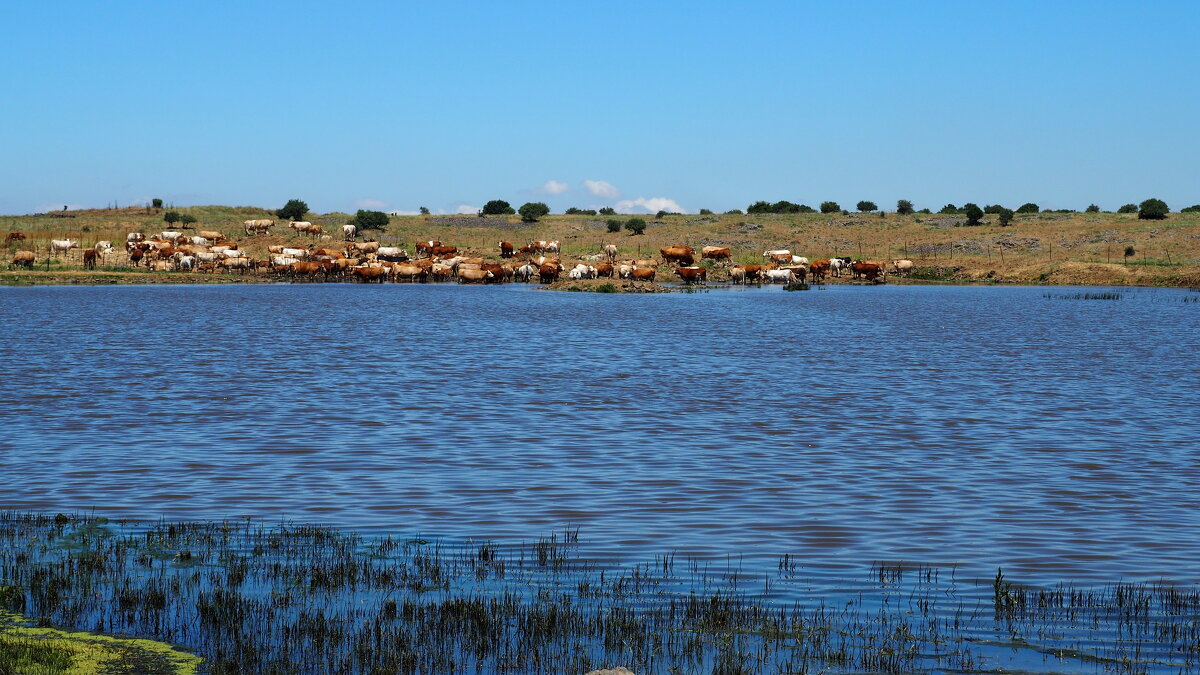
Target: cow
(737, 275)
(472, 276)
(231, 253)
(392, 253)
(778, 276)
(836, 265)
(525, 272)
(754, 272)
(301, 253)
(443, 250)
(902, 267)
(363, 247)
(299, 225)
(799, 271)
(799, 260)
(135, 257)
(869, 271)
(716, 253)
(692, 275)
(170, 236)
(89, 258)
(23, 259)
(653, 264)
(103, 247)
(62, 245)
(257, 226)
(368, 274)
(439, 271)
(582, 271)
(782, 256)
(185, 262)
(642, 274)
(624, 271)
(677, 254)
(506, 249)
(610, 250)
(133, 238)
(408, 272)
(819, 268)
(604, 270)
(426, 247)
(349, 231)
(212, 235)
(198, 240)
(549, 272)
(14, 236)
(306, 269)
(239, 264)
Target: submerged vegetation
(294, 598)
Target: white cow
(525, 272)
(62, 245)
(301, 253)
(349, 231)
(299, 225)
(624, 271)
(282, 260)
(170, 236)
(392, 252)
(198, 241)
(903, 267)
(103, 247)
(610, 250)
(186, 262)
(778, 276)
(134, 237)
(231, 253)
(799, 260)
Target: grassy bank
(1041, 248)
(295, 598)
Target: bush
(608, 211)
(156, 203)
(1006, 216)
(949, 209)
(1028, 207)
(170, 218)
(1129, 252)
(635, 225)
(973, 213)
(830, 207)
(661, 214)
(497, 207)
(424, 210)
(904, 207)
(865, 206)
(532, 211)
(734, 212)
(370, 220)
(614, 225)
(705, 212)
(1191, 209)
(925, 211)
(187, 220)
(293, 210)
(1128, 208)
(993, 208)
(1092, 208)
(580, 212)
(1153, 209)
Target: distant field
(1050, 248)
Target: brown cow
(818, 270)
(871, 271)
(368, 274)
(642, 274)
(14, 236)
(604, 270)
(506, 249)
(89, 258)
(499, 272)
(426, 247)
(754, 272)
(444, 250)
(135, 257)
(692, 275)
(472, 276)
(408, 272)
(715, 253)
(678, 254)
(549, 272)
(800, 271)
(23, 259)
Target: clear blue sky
(705, 104)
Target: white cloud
(373, 204)
(467, 209)
(602, 189)
(651, 205)
(553, 187)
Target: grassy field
(1045, 248)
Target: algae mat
(30, 650)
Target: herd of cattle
(369, 261)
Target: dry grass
(1080, 248)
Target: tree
(734, 212)
(926, 211)
(424, 210)
(1092, 208)
(705, 212)
(1153, 209)
(156, 203)
(1128, 208)
(993, 208)
(759, 207)
(830, 207)
(187, 220)
(498, 207)
(293, 210)
(865, 206)
(949, 209)
(170, 218)
(635, 225)
(973, 213)
(532, 211)
(805, 208)
(904, 207)
(1028, 207)
(1006, 216)
(614, 225)
(370, 220)
(1129, 252)
(1195, 208)
(608, 211)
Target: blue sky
(640, 105)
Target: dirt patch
(606, 286)
(475, 222)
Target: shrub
(1129, 252)
(925, 211)
(1195, 208)
(293, 210)
(1006, 216)
(1153, 209)
(865, 206)
(973, 213)
(580, 212)
(608, 211)
(1092, 208)
(993, 208)
(171, 217)
(635, 225)
(1028, 207)
(734, 212)
(759, 207)
(1128, 208)
(805, 208)
(830, 207)
(614, 225)
(904, 207)
(424, 210)
(532, 211)
(662, 214)
(157, 203)
(370, 220)
(705, 212)
(187, 220)
(498, 207)
(949, 209)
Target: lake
(977, 427)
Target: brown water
(977, 427)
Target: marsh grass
(296, 598)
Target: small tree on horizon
(156, 203)
(865, 206)
(973, 213)
(370, 220)
(1128, 208)
(187, 220)
(635, 225)
(608, 211)
(830, 207)
(497, 207)
(1006, 216)
(293, 210)
(170, 218)
(1153, 209)
(904, 207)
(1092, 208)
(1028, 207)
(424, 210)
(532, 211)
